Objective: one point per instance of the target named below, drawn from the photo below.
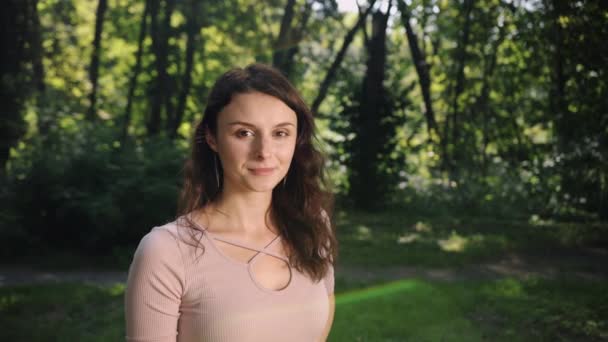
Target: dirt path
(588, 264)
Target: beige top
(177, 293)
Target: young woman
(250, 256)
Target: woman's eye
(283, 133)
(244, 133)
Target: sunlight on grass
(117, 289)
(507, 288)
(423, 227)
(454, 243)
(405, 310)
(375, 291)
(535, 220)
(362, 233)
(9, 299)
(408, 238)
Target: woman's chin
(262, 185)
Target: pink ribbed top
(175, 293)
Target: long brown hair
(303, 205)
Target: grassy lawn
(382, 240)
(502, 309)
(498, 310)
(406, 310)
(66, 312)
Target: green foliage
(523, 135)
(79, 189)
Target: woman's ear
(210, 139)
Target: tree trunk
(136, 71)
(461, 55)
(422, 69)
(366, 181)
(284, 40)
(37, 49)
(13, 80)
(192, 27)
(160, 48)
(333, 69)
(94, 68)
(169, 84)
(481, 104)
(296, 36)
(44, 120)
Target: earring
(285, 181)
(217, 174)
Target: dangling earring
(285, 181)
(217, 174)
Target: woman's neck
(243, 213)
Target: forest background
(425, 108)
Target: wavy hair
(302, 206)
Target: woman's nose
(263, 148)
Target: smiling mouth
(262, 171)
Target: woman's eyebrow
(282, 124)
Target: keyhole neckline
(249, 265)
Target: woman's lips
(262, 171)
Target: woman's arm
(330, 319)
(154, 288)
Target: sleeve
(154, 288)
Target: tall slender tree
(368, 183)
(422, 68)
(17, 40)
(136, 69)
(159, 30)
(284, 40)
(102, 7)
(333, 69)
(193, 26)
(460, 56)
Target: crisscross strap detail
(263, 250)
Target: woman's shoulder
(159, 239)
(176, 237)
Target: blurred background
(467, 145)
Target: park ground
(399, 278)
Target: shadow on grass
(63, 312)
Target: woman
(250, 257)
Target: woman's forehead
(257, 109)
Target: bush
(78, 189)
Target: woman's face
(255, 140)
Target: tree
(422, 69)
(192, 29)
(21, 48)
(286, 44)
(460, 56)
(160, 96)
(333, 69)
(136, 70)
(368, 182)
(94, 68)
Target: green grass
(498, 310)
(406, 310)
(505, 309)
(65, 312)
(394, 238)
